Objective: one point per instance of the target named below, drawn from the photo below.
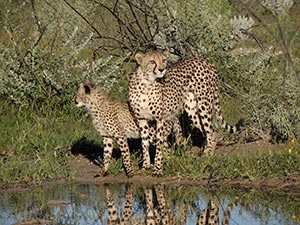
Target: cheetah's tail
(222, 121)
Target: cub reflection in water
(157, 209)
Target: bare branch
(117, 17)
(9, 31)
(248, 33)
(148, 13)
(37, 21)
(280, 40)
(84, 18)
(136, 19)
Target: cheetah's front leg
(158, 161)
(144, 128)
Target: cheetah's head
(152, 64)
(84, 94)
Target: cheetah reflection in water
(158, 211)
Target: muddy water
(115, 203)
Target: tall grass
(47, 48)
(35, 147)
(250, 166)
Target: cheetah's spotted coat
(191, 84)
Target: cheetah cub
(112, 120)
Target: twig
(37, 21)
(117, 17)
(280, 40)
(136, 19)
(248, 33)
(84, 18)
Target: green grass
(34, 148)
(267, 164)
(250, 166)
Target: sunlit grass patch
(35, 147)
(250, 166)
(266, 164)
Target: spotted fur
(113, 217)
(160, 93)
(146, 100)
(210, 215)
(112, 119)
(158, 210)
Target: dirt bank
(86, 171)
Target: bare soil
(86, 169)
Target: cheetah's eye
(164, 60)
(152, 62)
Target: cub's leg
(150, 214)
(123, 145)
(108, 148)
(111, 207)
(127, 213)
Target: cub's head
(84, 94)
(152, 64)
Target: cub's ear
(88, 87)
(139, 57)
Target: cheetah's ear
(139, 57)
(166, 53)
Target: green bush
(259, 71)
(48, 48)
(44, 58)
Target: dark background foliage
(49, 47)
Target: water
(116, 203)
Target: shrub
(47, 48)
(45, 57)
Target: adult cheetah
(161, 92)
(146, 101)
(112, 119)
